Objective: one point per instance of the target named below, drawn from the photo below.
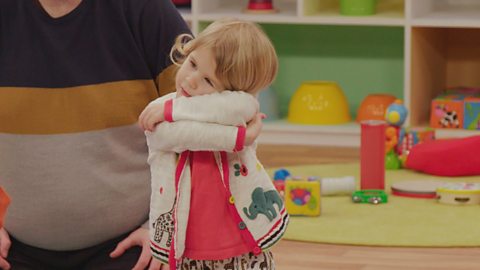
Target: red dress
(211, 232)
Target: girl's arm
(226, 108)
(233, 108)
(189, 135)
(195, 136)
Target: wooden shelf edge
(348, 135)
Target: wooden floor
(308, 256)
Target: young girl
(216, 208)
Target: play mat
(400, 222)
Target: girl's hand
(254, 127)
(151, 116)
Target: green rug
(400, 222)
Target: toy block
(472, 113)
(302, 197)
(447, 111)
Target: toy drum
(459, 193)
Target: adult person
(74, 77)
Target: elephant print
(263, 203)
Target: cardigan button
(257, 251)
(242, 225)
(231, 200)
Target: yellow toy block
(302, 197)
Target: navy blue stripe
(101, 41)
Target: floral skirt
(263, 261)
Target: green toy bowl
(358, 7)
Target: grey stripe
(72, 191)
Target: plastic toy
(320, 103)
(260, 6)
(458, 107)
(281, 174)
(372, 196)
(337, 185)
(446, 157)
(412, 136)
(459, 193)
(302, 197)
(358, 7)
(400, 140)
(396, 113)
(374, 106)
(472, 113)
(392, 161)
(372, 155)
(447, 111)
(424, 189)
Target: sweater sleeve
(159, 23)
(195, 136)
(233, 108)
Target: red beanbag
(447, 157)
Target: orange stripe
(73, 109)
(166, 80)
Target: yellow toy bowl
(318, 102)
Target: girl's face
(196, 75)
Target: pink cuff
(168, 110)
(241, 133)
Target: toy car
(373, 196)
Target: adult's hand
(4, 248)
(139, 237)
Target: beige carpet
(400, 222)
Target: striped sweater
(71, 155)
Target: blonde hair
(245, 57)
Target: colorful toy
(447, 112)
(260, 6)
(471, 113)
(459, 193)
(396, 113)
(358, 7)
(412, 136)
(372, 155)
(446, 157)
(400, 140)
(302, 197)
(374, 106)
(373, 196)
(425, 189)
(337, 185)
(392, 161)
(458, 107)
(320, 103)
(281, 174)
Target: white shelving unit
(441, 48)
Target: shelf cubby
(441, 58)
(413, 49)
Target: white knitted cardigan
(209, 122)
